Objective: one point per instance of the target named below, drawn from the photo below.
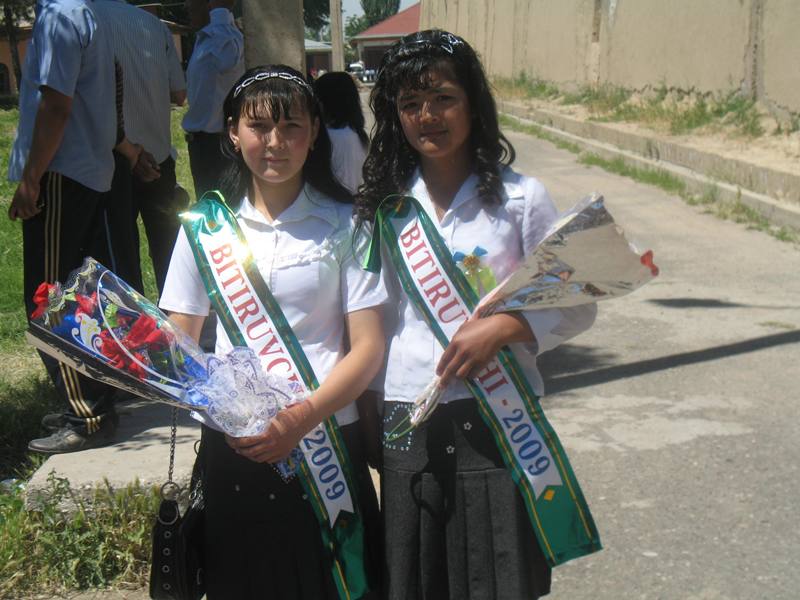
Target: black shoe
(68, 440)
(54, 421)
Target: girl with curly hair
(456, 525)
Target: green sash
(530, 448)
(252, 317)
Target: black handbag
(176, 571)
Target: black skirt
(455, 524)
(262, 539)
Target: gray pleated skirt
(455, 524)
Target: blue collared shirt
(216, 64)
(151, 70)
(70, 54)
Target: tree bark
(11, 33)
(273, 33)
(337, 37)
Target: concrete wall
(688, 44)
(713, 46)
(780, 81)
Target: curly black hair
(410, 64)
(273, 90)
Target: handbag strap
(170, 484)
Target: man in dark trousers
(153, 80)
(62, 159)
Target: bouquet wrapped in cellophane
(584, 257)
(100, 326)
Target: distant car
(356, 69)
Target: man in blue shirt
(153, 79)
(62, 159)
(216, 63)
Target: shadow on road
(586, 378)
(710, 303)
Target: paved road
(679, 408)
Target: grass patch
(22, 406)
(105, 542)
(660, 179)
(681, 113)
(675, 111)
(535, 130)
(524, 86)
(598, 99)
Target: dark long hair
(341, 105)
(273, 89)
(410, 64)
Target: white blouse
(305, 257)
(347, 157)
(501, 235)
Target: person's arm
(192, 325)
(348, 379)
(51, 120)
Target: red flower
(138, 334)
(647, 261)
(119, 358)
(145, 333)
(41, 297)
(86, 304)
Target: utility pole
(337, 37)
(274, 33)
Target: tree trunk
(11, 33)
(273, 33)
(337, 38)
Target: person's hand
(473, 346)
(146, 167)
(24, 204)
(283, 435)
(478, 341)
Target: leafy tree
(316, 14)
(376, 11)
(13, 12)
(354, 25)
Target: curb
(140, 453)
(773, 194)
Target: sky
(353, 7)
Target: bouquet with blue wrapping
(100, 326)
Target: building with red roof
(373, 42)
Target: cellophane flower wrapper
(98, 324)
(584, 257)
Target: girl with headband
(456, 523)
(284, 279)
